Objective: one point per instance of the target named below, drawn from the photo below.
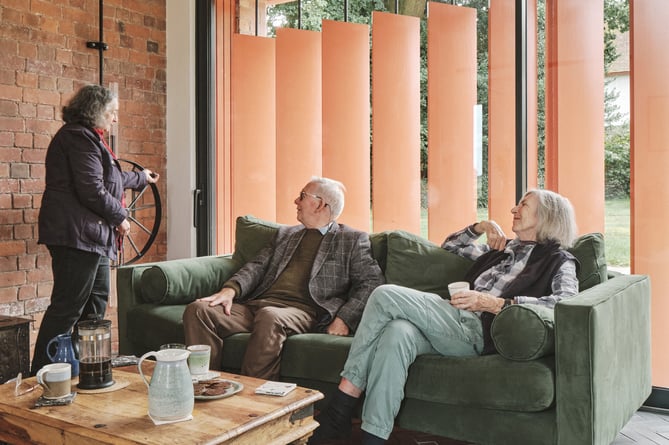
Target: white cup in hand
(457, 286)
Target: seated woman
(399, 323)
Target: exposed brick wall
(44, 60)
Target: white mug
(55, 378)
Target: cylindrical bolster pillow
(183, 281)
(524, 332)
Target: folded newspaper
(275, 388)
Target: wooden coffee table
(120, 417)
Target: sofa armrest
(603, 359)
(129, 286)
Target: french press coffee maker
(94, 339)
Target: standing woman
(82, 215)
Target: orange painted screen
(346, 108)
(224, 220)
(451, 46)
(502, 112)
(299, 137)
(502, 108)
(395, 122)
(650, 164)
(575, 107)
(253, 127)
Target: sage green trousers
(399, 324)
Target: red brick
(28, 110)
(9, 248)
(22, 201)
(8, 263)
(12, 278)
(30, 216)
(28, 50)
(9, 155)
(18, 170)
(38, 275)
(23, 231)
(46, 9)
(32, 186)
(9, 108)
(12, 124)
(5, 201)
(8, 295)
(27, 292)
(24, 140)
(27, 262)
(10, 217)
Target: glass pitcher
(95, 368)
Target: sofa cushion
(417, 263)
(524, 332)
(150, 326)
(589, 251)
(182, 281)
(251, 236)
(487, 381)
(314, 355)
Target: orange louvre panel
(650, 164)
(395, 122)
(502, 112)
(346, 108)
(299, 137)
(224, 228)
(532, 105)
(253, 127)
(575, 107)
(451, 46)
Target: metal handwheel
(144, 214)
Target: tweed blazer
(343, 275)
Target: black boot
(335, 420)
(371, 439)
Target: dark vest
(533, 281)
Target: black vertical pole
(345, 10)
(256, 18)
(521, 98)
(102, 76)
(299, 14)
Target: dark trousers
(80, 288)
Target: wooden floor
(645, 428)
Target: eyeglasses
(22, 387)
(304, 194)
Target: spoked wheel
(144, 214)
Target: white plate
(234, 388)
(206, 376)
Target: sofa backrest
(413, 261)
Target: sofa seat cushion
(490, 382)
(305, 356)
(150, 326)
(315, 356)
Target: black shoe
(371, 439)
(336, 420)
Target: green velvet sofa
(572, 376)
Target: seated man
(315, 276)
